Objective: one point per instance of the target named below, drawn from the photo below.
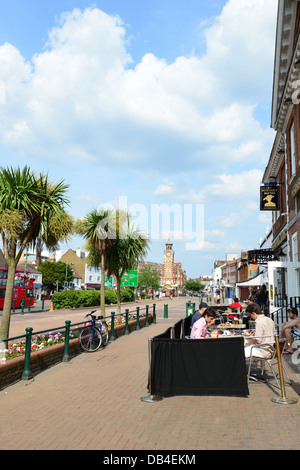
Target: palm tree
(30, 206)
(129, 248)
(98, 228)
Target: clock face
(168, 253)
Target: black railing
(281, 314)
(66, 329)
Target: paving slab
(93, 402)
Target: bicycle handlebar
(91, 315)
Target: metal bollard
(43, 301)
(14, 305)
(137, 318)
(147, 315)
(66, 356)
(166, 311)
(26, 371)
(112, 326)
(126, 324)
(154, 315)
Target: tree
(30, 207)
(193, 285)
(55, 271)
(99, 229)
(128, 249)
(149, 277)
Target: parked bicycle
(92, 336)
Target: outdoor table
(233, 313)
(240, 326)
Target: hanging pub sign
(269, 198)
(261, 256)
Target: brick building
(283, 166)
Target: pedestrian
(261, 297)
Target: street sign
(109, 281)
(129, 279)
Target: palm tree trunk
(5, 322)
(38, 258)
(102, 294)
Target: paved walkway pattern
(94, 402)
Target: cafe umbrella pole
(283, 399)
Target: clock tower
(168, 278)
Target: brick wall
(79, 264)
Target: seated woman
(200, 327)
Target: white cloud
(244, 184)
(240, 47)
(215, 234)
(233, 219)
(84, 98)
(164, 189)
(265, 218)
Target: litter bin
(189, 309)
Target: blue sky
(161, 105)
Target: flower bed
(43, 356)
(38, 343)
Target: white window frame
(292, 139)
(295, 247)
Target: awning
(259, 280)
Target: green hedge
(88, 298)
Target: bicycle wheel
(90, 339)
(104, 334)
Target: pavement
(93, 402)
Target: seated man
(200, 327)
(291, 329)
(199, 313)
(264, 333)
(236, 304)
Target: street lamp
(66, 280)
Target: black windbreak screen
(177, 333)
(198, 367)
